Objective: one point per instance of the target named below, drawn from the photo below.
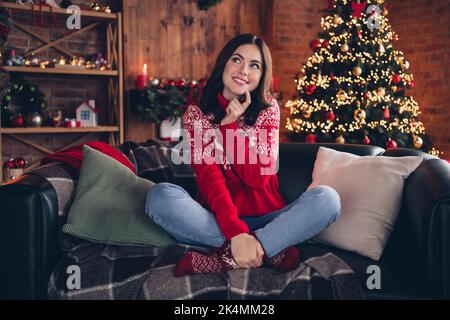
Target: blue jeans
(171, 207)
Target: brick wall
(295, 24)
(424, 31)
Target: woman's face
(242, 72)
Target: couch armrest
(29, 231)
(426, 225)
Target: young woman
(234, 134)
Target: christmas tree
(353, 89)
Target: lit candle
(141, 80)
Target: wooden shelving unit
(115, 122)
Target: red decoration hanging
(396, 78)
(330, 116)
(315, 44)
(366, 140)
(41, 4)
(357, 8)
(387, 113)
(412, 84)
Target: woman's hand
(247, 251)
(235, 109)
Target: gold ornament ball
(340, 139)
(342, 95)
(385, 12)
(357, 71)
(418, 142)
(394, 88)
(337, 20)
(359, 115)
(344, 47)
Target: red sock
(218, 260)
(196, 262)
(286, 260)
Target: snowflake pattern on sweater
(262, 136)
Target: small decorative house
(86, 114)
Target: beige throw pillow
(371, 189)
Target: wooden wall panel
(178, 40)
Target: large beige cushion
(370, 189)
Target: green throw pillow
(109, 205)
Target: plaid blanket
(120, 272)
(112, 272)
(152, 160)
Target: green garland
(206, 4)
(25, 95)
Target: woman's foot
(287, 260)
(218, 260)
(221, 260)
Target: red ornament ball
(17, 120)
(387, 113)
(330, 116)
(396, 78)
(315, 44)
(412, 84)
(10, 164)
(19, 163)
(311, 138)
(325, 43)
(332, 77)
(310, 89)
(391, 144)
(366, 140)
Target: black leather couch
(415, 263)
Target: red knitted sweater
(227, 187)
